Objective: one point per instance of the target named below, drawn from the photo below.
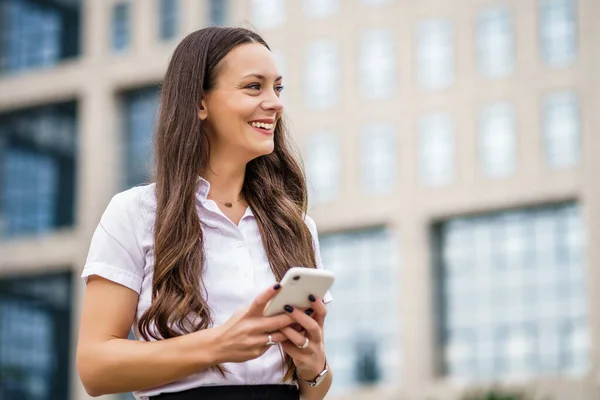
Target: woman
(191, 260)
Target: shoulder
(131, 203)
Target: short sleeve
(315, 235)
(115, 252)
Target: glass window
(436, 149)
(322, 74)
(513, 294)
(141, 108)
(218, 12)
(321, 8)
(379, 150)
(561, 129)
(558, 32)
(377, 64)
(36, 34)
(363, 329)
(168, 18)
(498, 140)
(121, 30)
(435, 54)
(35, 343)
(37, 169)
(267, 14)
(575, 347)
(323, 166)
(495, 42)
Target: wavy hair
(274, 187)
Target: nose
(272, 103)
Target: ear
(202, 111)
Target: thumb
(257, 307)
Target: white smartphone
(297, 284)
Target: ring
(305, 345)
(270, 342)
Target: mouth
(264, 127)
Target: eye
(253, 86)
(279, 88)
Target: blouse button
(240, 243)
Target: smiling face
(243, 108)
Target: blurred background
(452, 154)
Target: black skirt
(240, 392)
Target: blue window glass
(324, 166)
(168, 18)
(35, 339)
(561, 129)
(513, 294)
(37, 169)
(437, 149)
(495, 41)
(362, 331)
(558, 31)
(498, 147)
(121, 30)
(36, 34)
(435, 54)
(141, 107)
(32, 206)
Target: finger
(292, 350)
(294, 336)
(320, 310)
(275, 323)
(297, 327)
(277, 337)
(308, 323)
(260, 302)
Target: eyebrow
(259, 76)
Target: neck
(226, 178)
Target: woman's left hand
(309, 360)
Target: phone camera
(296, 277)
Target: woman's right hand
(245, 334)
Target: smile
(263, 127)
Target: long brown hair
(274, 187)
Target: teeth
(262, 125)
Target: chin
(267, 151)
(260, 151)
(265, 148)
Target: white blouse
(236, 270)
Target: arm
(109, 363)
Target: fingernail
(277, 286)
(310, 311)
(288, 308)
(311, 297)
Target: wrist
(210, 352)
(310, 373)
(317, 379)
